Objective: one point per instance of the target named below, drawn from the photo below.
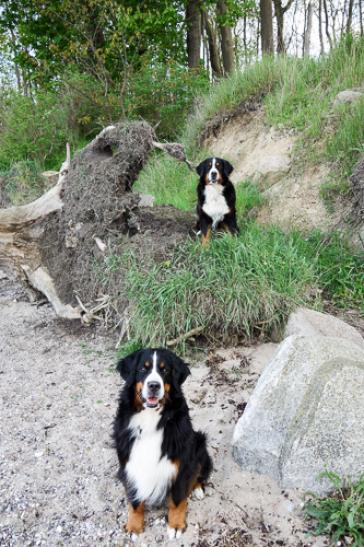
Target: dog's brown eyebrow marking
(162, 365)
(147, 364)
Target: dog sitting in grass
(215, 198)
(161, 457)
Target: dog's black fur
(180, 442)
(205, 222)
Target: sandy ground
(57, 465)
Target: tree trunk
(350, 17)
(322, 47)
(327, 24)
(227, 41)
(193, 21)
(361, 17)
(213, 47)
(308, 30)
(280, 30)
(279, 11)
(21, 230)
(266, 19)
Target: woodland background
(69, 68)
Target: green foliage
(338, 268)
(23, 182)
(242, 285)
(169, 181)
(342, 514)
(99, 37)
(248, 197)
(162, 94)
(31, 130)
(346, 142)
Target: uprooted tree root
(59, 242)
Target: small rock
(347, 96)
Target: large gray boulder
(306, 322)
(306, 414)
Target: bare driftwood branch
(20, 231)
(184, 336)
(176, 150)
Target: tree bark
(213, 47)
(279, 11)
(266, 20)
(350, 16)
(227, 41)
(20, 232)
(322, 47)
(308, 30)
(327, 24)
(193, 21)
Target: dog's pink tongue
(152, 400)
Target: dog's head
(154, 374)
(214, 170)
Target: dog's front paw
(174, 533)
(133, 531)
(133, 537)
(198, 494)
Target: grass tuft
(340, 515)
(244, 286)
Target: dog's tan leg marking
(177, 514)
(206, 237)
(135, 524)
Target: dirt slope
(264, 155)
(57, 465)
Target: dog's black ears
(126, 366)
(180, 370)
(227, 167)
(201, 168)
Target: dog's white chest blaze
(215, 205)
(148, 473)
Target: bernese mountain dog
(215, 198)
(161, 457)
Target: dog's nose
(154, 387)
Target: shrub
(340, 515)
(162, 94)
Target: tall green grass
(241, 286)
(244, 286)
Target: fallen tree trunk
(21, 231)
(56, 243)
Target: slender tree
(327, 24)
(193, 22)
(279, 12)
(214, 53)
(321, 36)
(308, 29)
(227, 41)
(350, 16)
(266, 21)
